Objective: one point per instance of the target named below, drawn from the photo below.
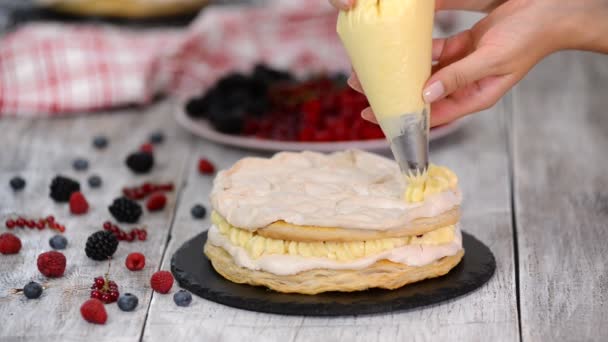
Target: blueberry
(80, 164)
(127, 302)
(58, 242)
(100, 142)
(182, 298)
(32, 290)
(94, 181)
(198, 211)
(17, 183)
(157, 137)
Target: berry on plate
(94, 181)
(62, 188)
(58, 242)
(125, 210)
(101, 245)
(140, 162)
(105, 290)
(198, 211)
(17, 183)
(100, 142)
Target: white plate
(202, 128)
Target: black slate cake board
(195, 273)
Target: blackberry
(62, 187)
(100, 142)
(182, 298)
(80, 164)
(32, 290)
(17, 183)
(125, 210)
(94, 181)
(157, 137)
(198, 211)
(101, 245)
(58, 242)
(140, 162)
(127, 302)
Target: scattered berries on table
(78, 203)
(40, 224)
(101, 245)
(182, 298)
(205, 167)
(147, 148)
(135, 261)
(162, 281)
(58, 242)
(9, 244)
(100, 142)
(156, 202)
(80, 164)
(140, 162)
(93, 311)
(156, 137)
(198, 211)
(105, 290)
(51, 264)
(17, 183)
(125, 210)
(62, 188)
(136, 233)
(32, 290)
(145, 189)
(128, 302)
(94, 181)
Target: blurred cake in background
(125, 8)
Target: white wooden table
(533, 171)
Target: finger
(481, 95)
(448, 50)
(353, 82)
(343, 4)
(459, 75)
(368, 114)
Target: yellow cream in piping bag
(389, 43)
(258, 246)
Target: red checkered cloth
(53, 69)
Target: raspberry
(147, 147)
(162, 281)
(9, 244)
(78, 204)
(156, 202)
(51, 264)
(135, 261)
(93, 311)
(205, 167)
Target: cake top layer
(351, 189)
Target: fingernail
(433, 92)
(368, 115)
(353, 82)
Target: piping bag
(390, 45)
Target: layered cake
(348, 221)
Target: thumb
(458, 75)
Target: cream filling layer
(349, 189)
(411, 255)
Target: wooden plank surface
(478, 153)
(38, 150)
(560, 141)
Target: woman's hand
(478, 66)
